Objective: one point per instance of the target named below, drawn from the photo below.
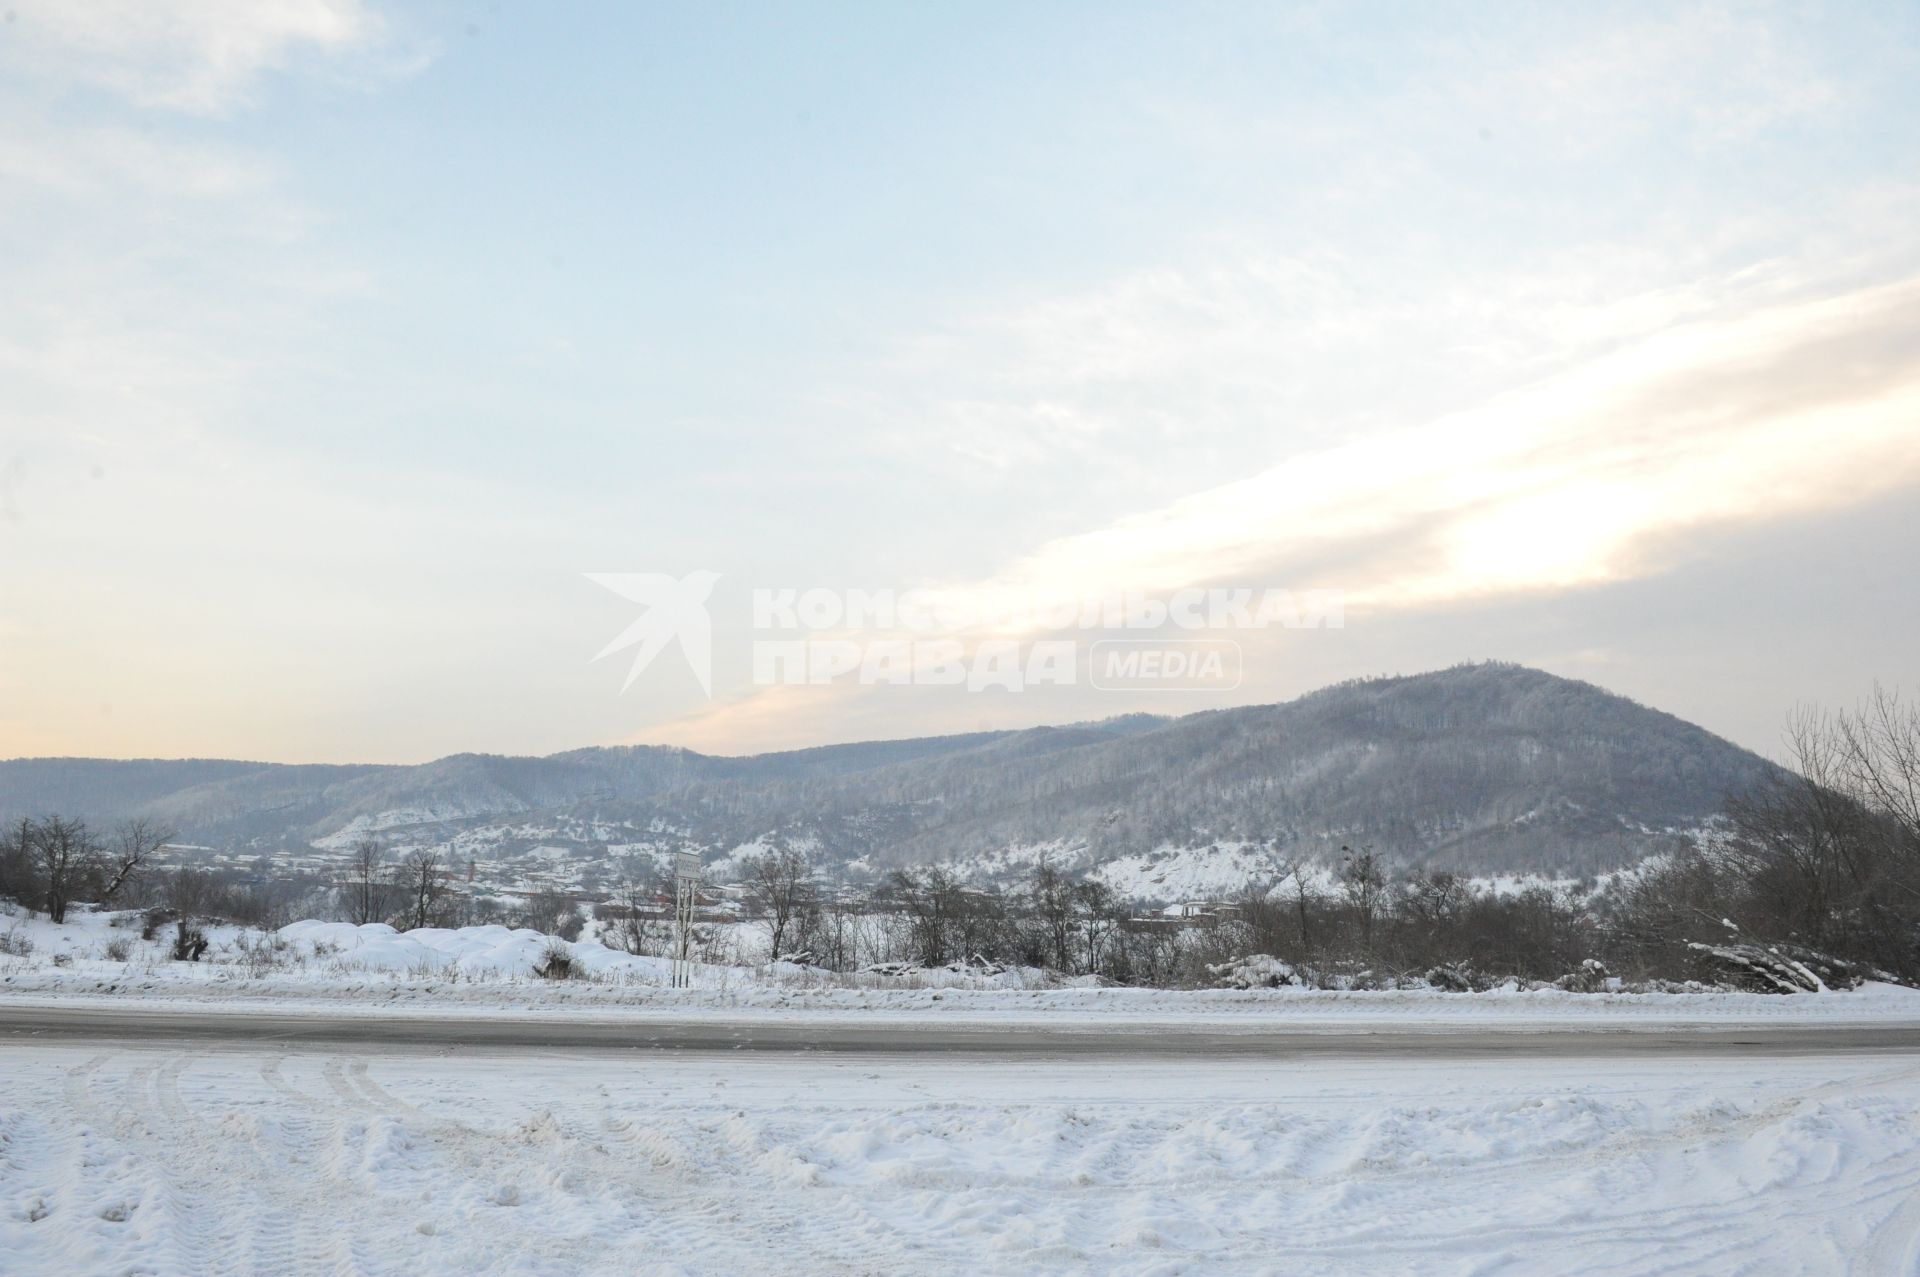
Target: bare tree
(190, 891)
(1365, 886)
(67, 856)
(642, 915)
(932, 902)
(1828, 855)
(423, 881)
(1099, 913)
(827, 930)
(553, 912)
(1876, 751)
(366, 891)
(779, 886)
(1264, 906)
(1304, 899)
(1050, 897)
(1427, 916)
(135, 845)
(19, 875)
(1144, 953)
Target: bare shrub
(430, 969)
(119, 949)
(1455, 978)
(1591, 977)
(263, 954)
(189, 942)
(15, 945)
(553, 913)
(557, 963)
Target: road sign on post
(686, 888)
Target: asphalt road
(133, 1025)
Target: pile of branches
(976, 966)
(1778, 968)
(1256, 971)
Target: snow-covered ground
(118, 1156)
(327, 966)
(267, 1159)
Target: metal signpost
(686, 886)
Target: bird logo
(676, 609)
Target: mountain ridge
(1488, 767)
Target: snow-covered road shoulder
(332, 968)
(162, 1160)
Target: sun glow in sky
(347, 338)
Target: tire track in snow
(655, 1204)
(208, 1177)
(271, 1074)
(1893, 1248)
(351, 1098)
(358, 1075)
(1682, 1238)
(196, 1238)
(599, 1180)
(269, 1241)
(1696, 1230)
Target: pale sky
(339, 341)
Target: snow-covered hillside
(1489, 768)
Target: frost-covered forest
(1483, 768)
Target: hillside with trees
(1481, 768)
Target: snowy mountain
(1486, 767)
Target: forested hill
(1489, 767)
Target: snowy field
(259, 1159)
(255, 1154)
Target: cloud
(90, 165)
(1168, 375)
(171, 265)
(1793, 408)
(1722, 76)
(1603, 473)
(197, 56)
